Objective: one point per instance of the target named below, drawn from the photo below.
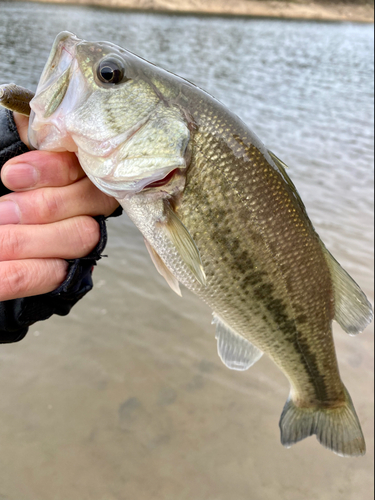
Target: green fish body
(218, 213)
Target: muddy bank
(333, 10)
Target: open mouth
(53, 87)
(164, 181)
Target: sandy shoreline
(296, 9)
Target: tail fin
(337, 429)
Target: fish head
(117, 112)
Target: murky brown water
(126, 397)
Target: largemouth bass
(219, 214)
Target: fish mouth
(55, 75)
(54, 85)
(163, 182)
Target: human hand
(46, 220)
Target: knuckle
(59, 174)
(30, 277)
(11, 242)
(13, 281)
(53, 168)
(48, 204)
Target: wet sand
(360, 11)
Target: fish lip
(61, 56)
(57, 68)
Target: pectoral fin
(235, 351)
(162, 268)
(184, 244)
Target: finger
(22, 124)
(42, 206)
(69, 239)
(37, 169)
(24, 278)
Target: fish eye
(111, 70)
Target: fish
(219, 214)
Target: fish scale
(219, 214)
(250, 310)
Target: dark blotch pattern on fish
(249, 276)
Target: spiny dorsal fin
(281, 166)
(162, 269)
(184, 244)
(277, 160)
(235, 351)
(353, 312)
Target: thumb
(22, 124)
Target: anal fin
(235, 351)
(162, 268)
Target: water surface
(126, 397)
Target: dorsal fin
(281, 166)
(353, 311)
